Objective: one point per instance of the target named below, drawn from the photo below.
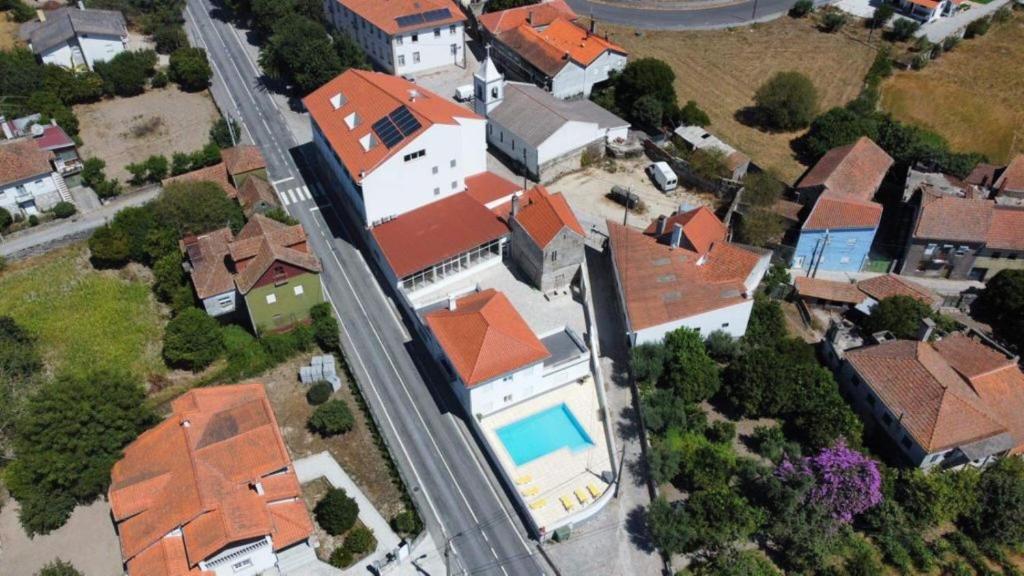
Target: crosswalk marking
(293, 195)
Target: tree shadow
(750, 117)
(638, 470)
(639, 533)
(628, 428)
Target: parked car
(663, 176)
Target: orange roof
(930, 4)
(242, 158)
(430, 234)
(831, 290)
(889, 285)
(1006, 229)
(197, 470)
(549, 49)
(543, 215)
(22, 159)
(662, 284)
(952, 218)
(855, 171)
(488, 187)
(385, 14)
(701, 228)
(218, 174)
(364, 98)
(1012, 178)
(536, 15)
(832, 212)
(484, 337)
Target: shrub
(882, 15)
(277, 213)
(769, 441)
(787, 101)
(331, 418)
(1002, 15)
(950, 43)
(325, 327)
(833, 21)
(126, 73)
(341, 558)
(336, 512)
(978, 28)
(20, 11)
(33, 220)
(59, 568)
(903, 30)
(319, 393)
(721, 432)
(159, 80)
(109, 248)
(920, 61)
(192, 340)
(64, 210)
(692, 115)
(190, 69)
(360, 540)
(5, 219)
(406, 522)
(721, 346)
(168, 39)
(801, 8)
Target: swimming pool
(543, 433)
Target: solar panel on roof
(387, 132)
(410, 20)
(435, 15)
(404, 120)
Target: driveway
(87, 540)
(681, 15)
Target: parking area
(88, 541)
(447, 79)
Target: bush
(692, 115)
(190, 69)
(336, 512)
(721, 432)
(331, 418)
(169, 38)
(33, 220)
(341, 558)
(319, 393)
(126, 73)
(882, 14)
(833, 21)
(769, 441)
(360, 540)
(801, 8)
(159, 80)
(64, 210)
(109, 248)
(903, 30)
(192, 340)
(325, 327)
(787, 101)
(721, 346)
(92, 171)
(978, 28)
(406, 522)
(5, 219)
(59, 568)
(20, 11)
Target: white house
(681, 272)
(28, 183)
(74, 38)
(394, 147)
(403, 37)
(494, 358)
(533, 128)
(541, 44)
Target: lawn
(721, 70)
(974, 95)
(84, 318)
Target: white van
(464, 93)
(663, 176)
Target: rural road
(464, 507)
(715, 15)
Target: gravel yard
(88, 541)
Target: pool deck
(562, 472)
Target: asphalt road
(455, 491)
(712, 15)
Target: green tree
(648, 363)
(59, 567)
(719, 517)
(767, 323)
(221, 133)
(689, 371)
(19, 74)
(169, 39)
(762, 188)
(647, 111)
(64, 210)
(731, 562)
(5, 219)
(300, 53)
(319, 393)
(267, 13)
(52, 108)
(835, 128)
(92, 171)
(900, 315)
(761, 227)
(709, 164)
(190, 69)
(360, 540)
(67, 440)
(72, 86)
(156, 168)
(669, 527)
(325, 327)
(195, 208)
(1001, 304)
(801, 8)
(349, 52)
(999, 516)
(331, 418)
(646, 77)
(692, 115)
(336, 512)
(109, 248)
(787, 101)
(882, 14)
(126, 73)
(169, 276)
(192, 340)
(721, 346)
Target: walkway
(938, 30)
(691, 15)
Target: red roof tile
(1012, 178)
(855, 171)
(218, 174)
(1006, 229)
(484, 337)
(835, 212)
(430, 234)
(701, 228)
(21, 159)
(54, 138)
(543, 215)
(954, 219)
(536, 15)
(371, 96)
(487, 188)
(384, 14)
(253, 191)
(549, 49)
(830, 290)
(889, 285)
(243, 158)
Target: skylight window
(353, 120)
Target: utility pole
(753, 15)
(625, 211)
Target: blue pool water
(543, 433)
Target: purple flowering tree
(844, 482)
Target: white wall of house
(731, 319)
(569, 371)
(569, 138)
(574, 80)
(100, 48)
(349, 190)
(61, 55)
(504, 391)
(248, 559)
(221, 304)
(511, 145)
(29, 196)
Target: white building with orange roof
(209, 491)
(404, 36)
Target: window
(725, 324)
(437, 191)
(930, 249)
(437, 32)
(851, 242)
(398, 40)
(507, 399)
(554, 255)
(454, 184)
(494, 92)
(401, 59)
(451, 29)
(455, 49)
(997, 255)
(299, 290)
(271, 298)
(871, 399)
(226, 300)
(434, 169)
(452, 163)
(414, 155)
(415, 37)
(855, 381)
(242, 565)
(1012, 256)
(844, 260)
(906, 443)
(961, 250)
(513, 144)
(887, 419)
(415, 57)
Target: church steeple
(488, 86)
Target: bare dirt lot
(969, 95)
(88, 541)
(126, 130)
(721, 70)
(586, 189)
(355, 450)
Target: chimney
(661, 225)
(677, 235)
(452, 305)
(925, 329)
(515, 205)
(185, 423)
(593, 25)
(413, 95)
(529, 17)
(258, 486)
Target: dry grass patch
(8, 32)
(721, 70)
(126, 130)
(973, 96)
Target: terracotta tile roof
(197, 470)
(889, 285)
(256, 190)
(832, 212)
(983, 175)
(701, 229)
(1006, 229)
(931, 401)
(831, 290)
(543, 215)
(385, 14)
(430, 234)
(243, 158)
(210, 275)
(218, 174)
(954, 219)
(971, 358)
(929, 4)
(537, 15)
(562, 41)
(269, 254)
(488, 188)
(54, 138)
(661, 284)
(787, 209)
(1012, 178)
(21, 159)
(484, 337)
(855, 171)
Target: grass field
(721, 70)
(8, 32)
(974, 95)
(84, 318)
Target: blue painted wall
(845, 250)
